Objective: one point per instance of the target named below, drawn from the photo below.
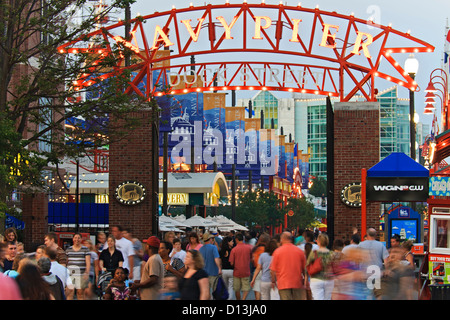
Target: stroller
(103, 281)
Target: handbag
(316, 266)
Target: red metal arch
(338, 66)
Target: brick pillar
(34, 215)
(131, 159)
(356, 146)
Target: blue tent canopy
(398, 164)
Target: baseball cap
(153, 241)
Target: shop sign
(408, 189)
(439, 269)
(439, 186)
(174, 199)
(351, 195)
(130, 193)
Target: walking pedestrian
(195, 284)
(321, 282)
(94, 270)
(288, 269)
(263, 270)
(309, 238)
(125, 246)
(138, 254)
(211, 258)
(227, 268)
(153, 272)
(11, 252)
(257, 250)
(59, 270)
(51, 241)
(54, 282)
(409, 256)
(79, 265)
(177, 251)
(11, 235)
(110, 258)
(377, 255)
(240, 259)
(354, 242)
(32, 286)
(193, 242)
(13, 272)
(399, 277)
(101, 239)
(172, 267)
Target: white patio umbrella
(180, 218)
(172, 221)
(226, 224)
(167, 227)
(197, 221)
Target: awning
(195, 182)
(398, 164)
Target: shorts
(79, 281)
(241, 284)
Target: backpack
(220, 291)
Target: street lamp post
(411, 67)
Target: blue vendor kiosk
(404, 222)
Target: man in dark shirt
(11, 253)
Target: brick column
(34, 215)
(131, 159)
(356, 146)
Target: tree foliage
(37, 91)
(258, 208)
(303, 212)
(319, 187)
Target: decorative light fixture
(430, 87)
(411, 65)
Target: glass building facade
(317, 140)
(268, 103)
(394, 128)
(310, 133)
(394, 124)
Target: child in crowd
(118, 288)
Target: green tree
(303, 212)
(258, 208)
(319, 187)
(38, 92)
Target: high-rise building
(304, 117)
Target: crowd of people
(293, 265)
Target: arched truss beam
(335, 45)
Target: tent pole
(363, 203)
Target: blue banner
(13, 222)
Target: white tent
(172, 221)
(225, 224)
(197, 221)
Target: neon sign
(336, 45)
(162, 36)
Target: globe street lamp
(411, 67)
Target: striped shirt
(77, 259)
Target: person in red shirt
(288, 269)
(240, 258)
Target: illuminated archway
(331, 51)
